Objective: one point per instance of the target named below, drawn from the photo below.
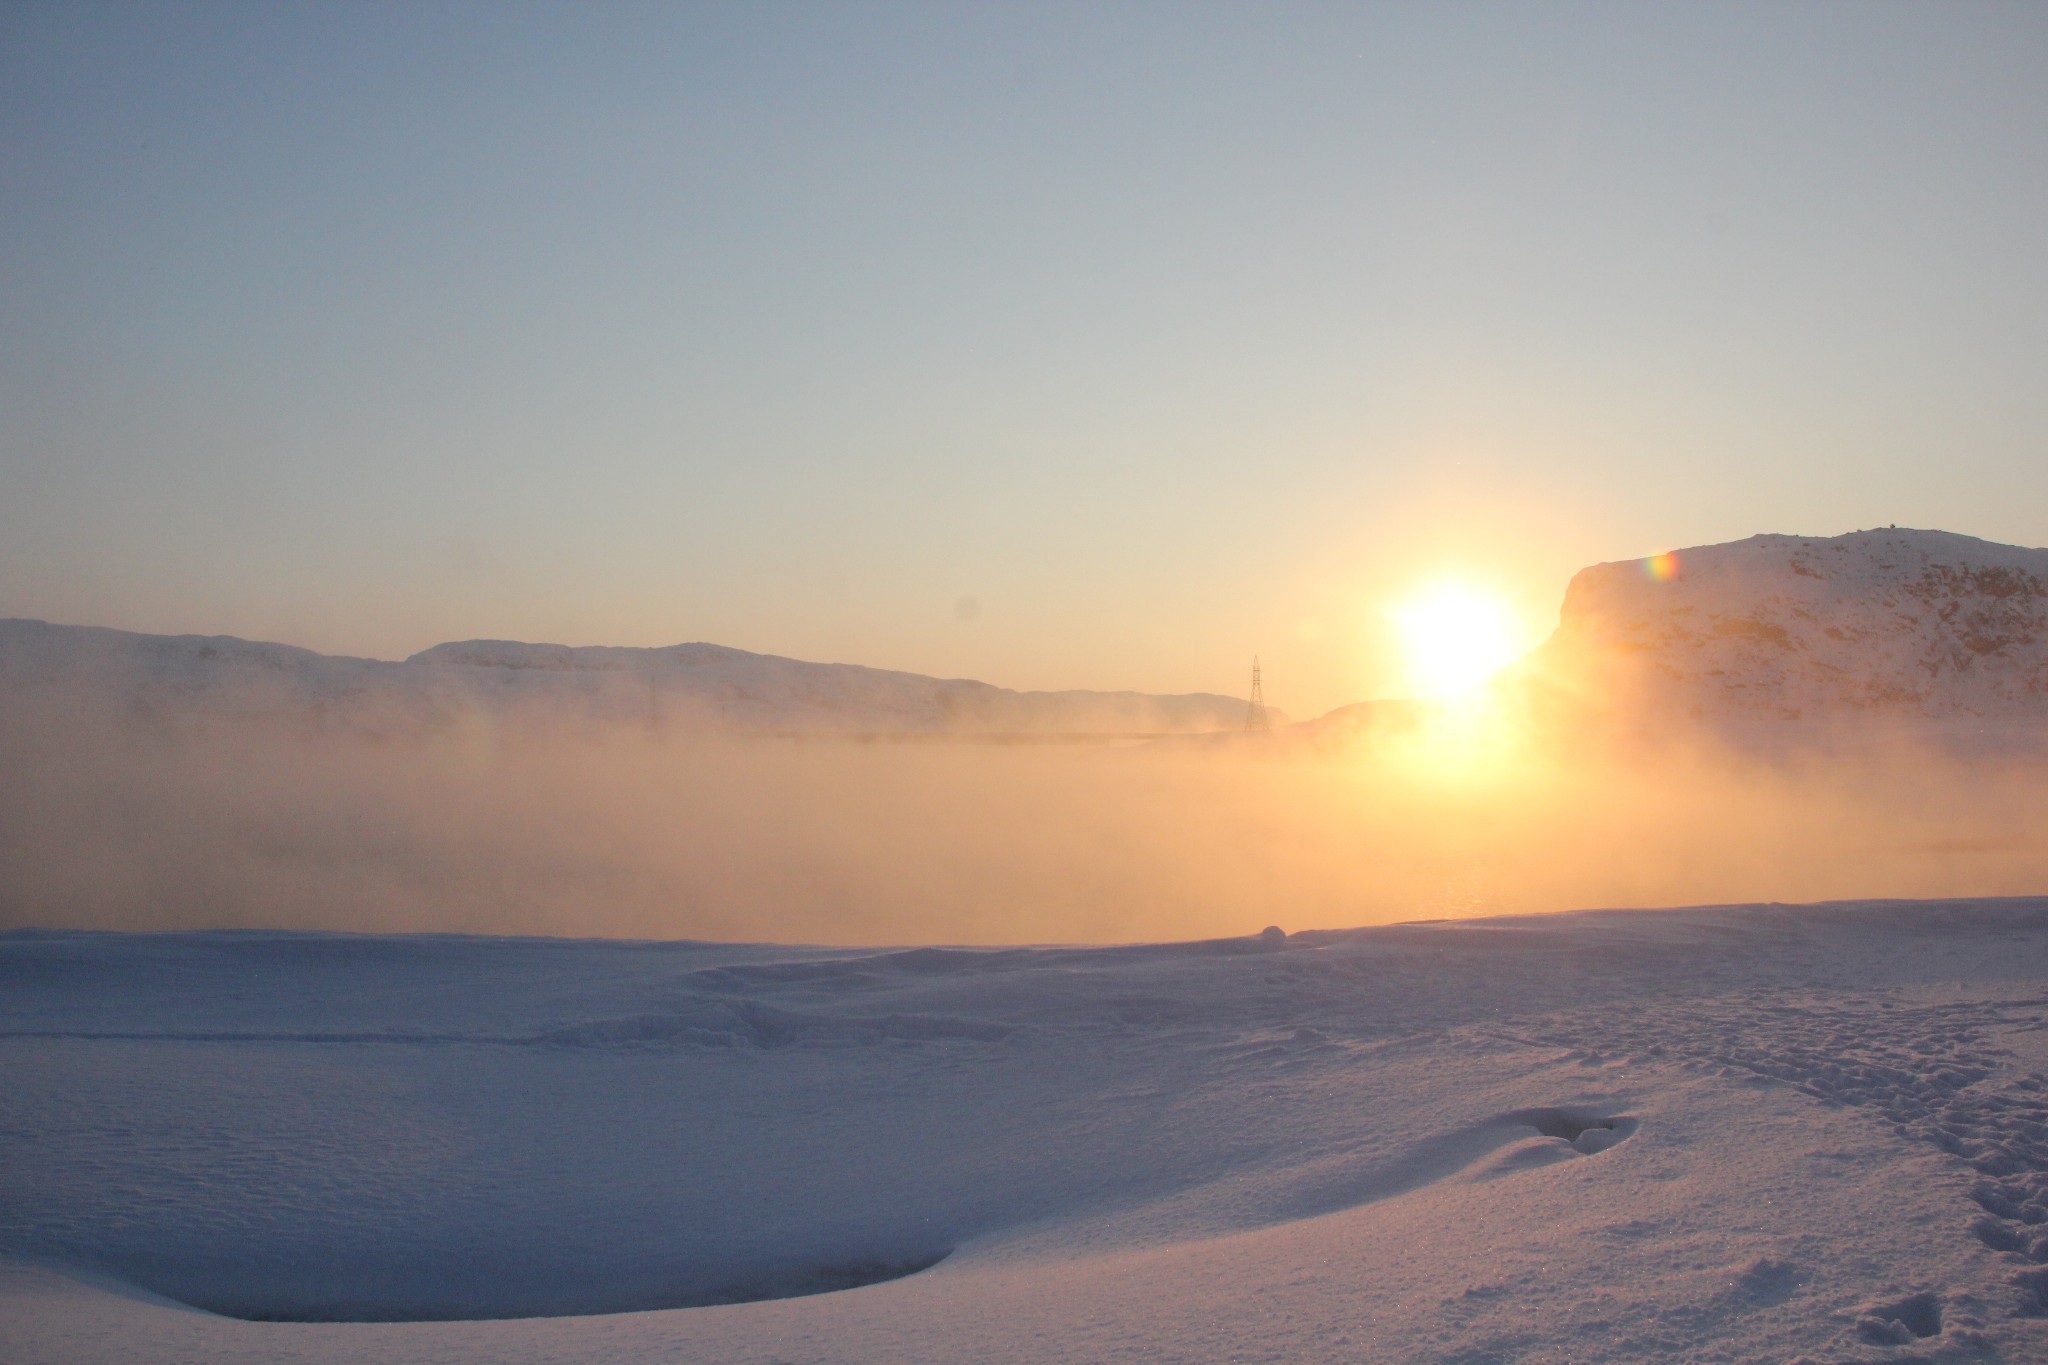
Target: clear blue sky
(1165, 333)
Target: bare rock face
(1904, 623)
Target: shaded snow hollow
(1738, 1133)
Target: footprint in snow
(1900, 1321)
(1558, 1135)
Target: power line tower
(1255, 714)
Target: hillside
(1893, 623)
(186, 676)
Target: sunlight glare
(1455, 638)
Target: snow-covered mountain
(539, 684)
(1916, 625)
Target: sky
(1096, 345)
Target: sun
(1455, 637)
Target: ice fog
(615, 832)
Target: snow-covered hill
(1898, 623)
(192, 675)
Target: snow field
(1746, 1133)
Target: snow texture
(1749, 1133)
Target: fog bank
(699, 835)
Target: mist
(614, 832)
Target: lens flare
(1455, 638)
(1662, 568)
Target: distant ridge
(545, 685)
(1891, 625)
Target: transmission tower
(1255, 714)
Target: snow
(1734, 1133)
(1894, 623)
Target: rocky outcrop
(1904, 623)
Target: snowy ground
(1750, 1133)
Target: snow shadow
(446, 1294)
(1503, 1145)
(1587, 1132)
(1901, 1321)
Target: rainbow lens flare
(1662, 568)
